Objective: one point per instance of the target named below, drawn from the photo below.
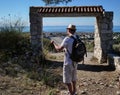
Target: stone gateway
(103, 27)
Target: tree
(55, 2)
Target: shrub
(116, 49)
(116, 44)
(11, 36)
(14, 42)
(47, 46)
(89, 46)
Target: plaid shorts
(69, 73)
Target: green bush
(116, 44)
(89, 46)
(116, 49)
(13, 42)
(12, 39)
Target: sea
(63, 29)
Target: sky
(20, 8)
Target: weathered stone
(103, 25)
(34, 33)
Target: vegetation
(47, 47)
(89, 46)
(12, 40)
(17, 58)
(12, 23)
(116, 43)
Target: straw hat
(70, 26)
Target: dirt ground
(95, 78)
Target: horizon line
(67, 25)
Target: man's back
(67, 44)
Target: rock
(116, 79)
(110, 85)
(93, 82)
(85, 84)
(118, 92)
(64, 92)
(81, 85)
(86, 89)
(98, 89)
(83, 92)
(101, 83)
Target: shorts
(69, 73)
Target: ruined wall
(103, 30)
(36, 25)
(103, 36)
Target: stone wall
(36, 32)
(103, 36)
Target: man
(69, 67)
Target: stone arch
(103, 27)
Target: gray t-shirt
(67, 44)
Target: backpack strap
(72, 45)
(74, 38)
(74, 41)
(77, 38)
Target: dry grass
(24, 85)
(55, 56)
(94, 59)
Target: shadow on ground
(96, 68)
(88, 67)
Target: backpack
(78, 50)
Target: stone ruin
(103, 39)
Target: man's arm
(57, 47)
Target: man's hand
(51, 42)
(57, 47)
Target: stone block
(39, 36)
(110, 26)
(114, 60)
(103, 26)
(117, 61)
(34, 33)
(33, 37)
(34, 42)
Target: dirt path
(95, 79)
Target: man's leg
(69, 85)
(74, 86)
(74, 78)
